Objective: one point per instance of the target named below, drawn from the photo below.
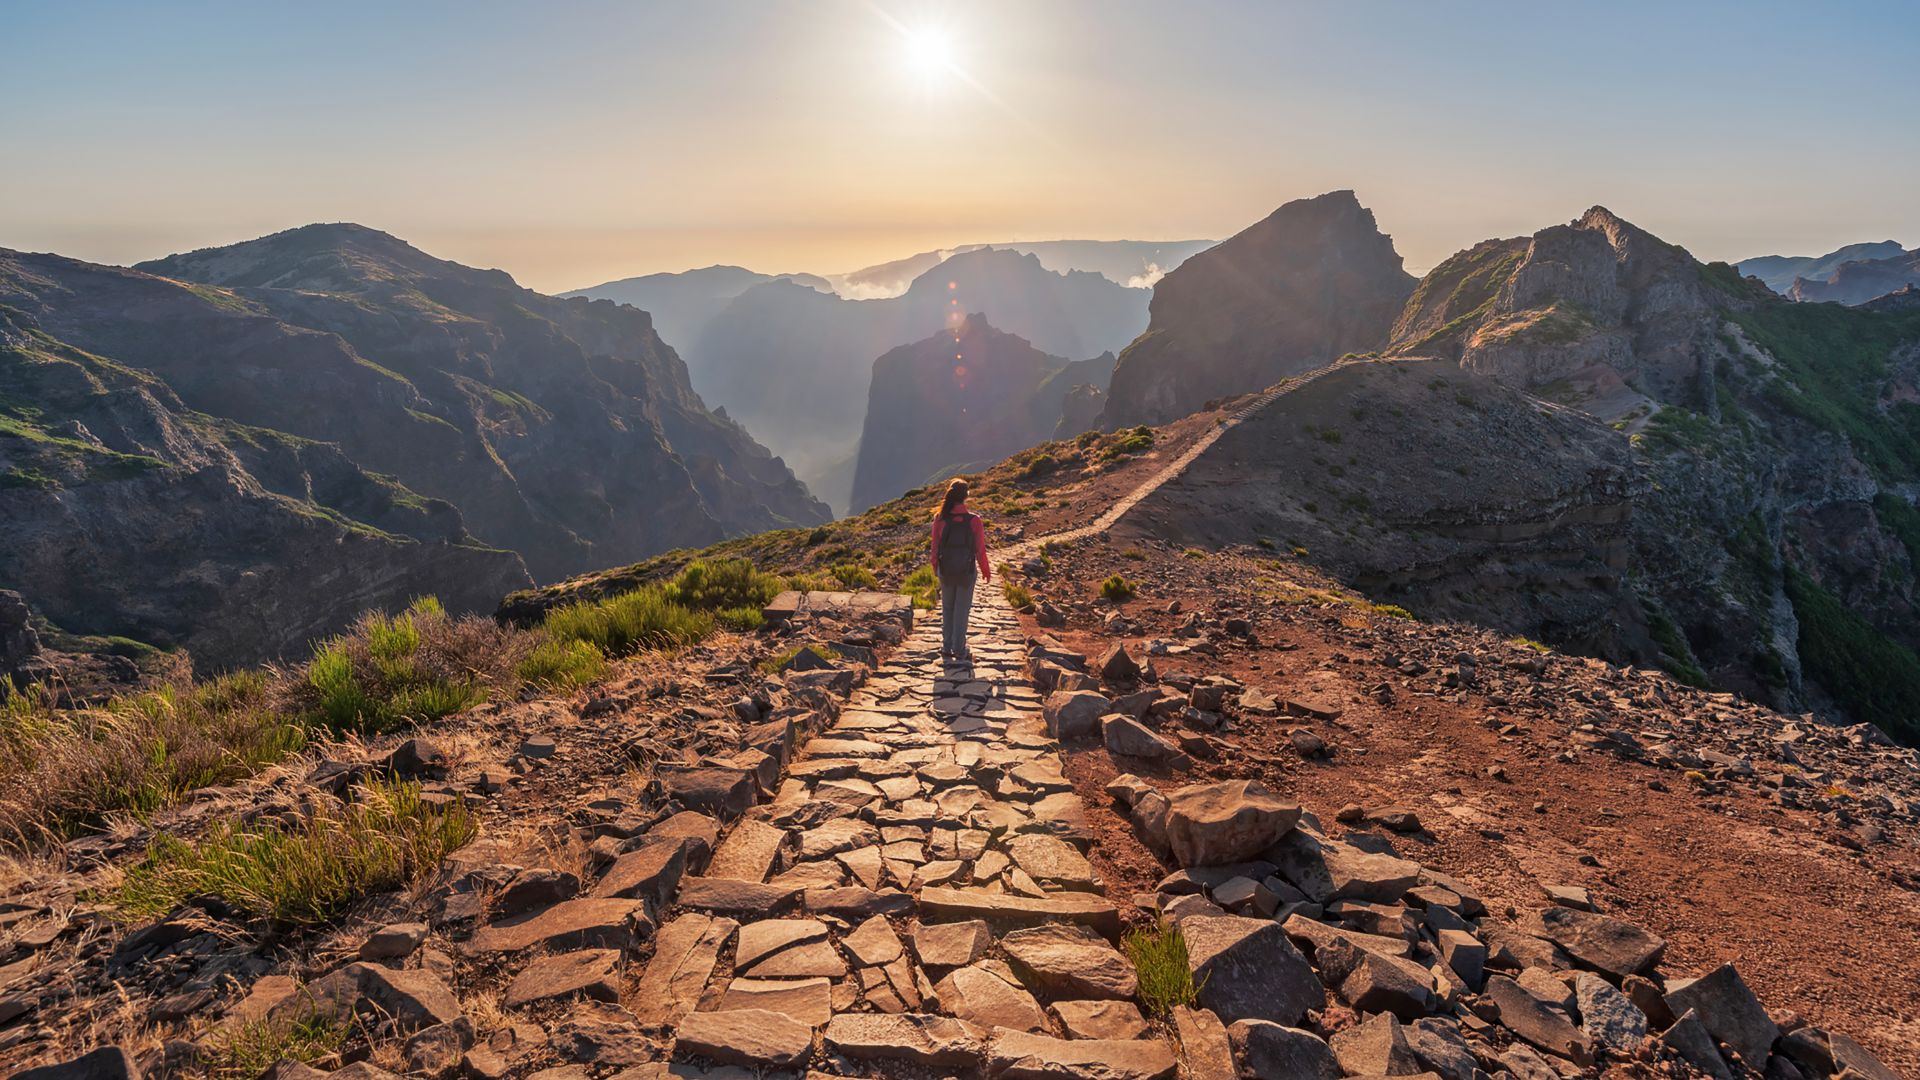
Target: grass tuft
(563, 665)
(306, 874)
(248, 1049)
(1159, 956)
(1118, 589)
(1018, 596)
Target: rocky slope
(1434, 489)
(1775, 543)
(565, 430)
(956, 402)
(125, 512)
(1313, 281)
(1860, 280)
(793, 364)
(1780, 271)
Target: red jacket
(979, 543)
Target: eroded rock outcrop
(1313, 281)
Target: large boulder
(1246, 969)
(1610, 945)
(1074, 714)
(1729, 1010)
(1225, 822)
(1269, 1049)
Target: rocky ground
(1387, 847)
(1730, 833)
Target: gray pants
(956, 602)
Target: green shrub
(1159, 956)
(1135, 554)
(852, 576)
(562, 665)
(304, 875)
(415, 667)
(741, 618)
(1040, 465)
(645, 618)
(707, 585)
(923, 586)
(1018, 596)
(1117, 589)
(820, 535)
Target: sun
(929, 54)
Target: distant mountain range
(240, 448)
(1853, 274)
(793, 364)
(747, 358)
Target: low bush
(247, 1049)
(854, 576)
(1018, 596)
(387, 838)
(1117, 589)
(562, 665)
(414, 667)
(922, 586)
(709, 585)
(646, 618)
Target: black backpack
(956, 555)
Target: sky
(572, 142)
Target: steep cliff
(961, 399)
(1316, 279)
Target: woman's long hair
(956, 494)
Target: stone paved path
(948, 916)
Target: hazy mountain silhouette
(793, 364)
(959, 400)
(1780, 271)
(681, 304)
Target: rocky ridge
(1315, 280)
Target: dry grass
(303, 875)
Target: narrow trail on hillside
(1173, 469)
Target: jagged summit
(1313, 280)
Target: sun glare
(929, 55)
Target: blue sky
(572, 142)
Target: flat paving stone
(759, 940)
(809, 1001)
(748, 852)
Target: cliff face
(1781, 442)
(124, 512)
(959, 400)
(793, 364)
(563, 429)
(1313, 281)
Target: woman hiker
(959, 545)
